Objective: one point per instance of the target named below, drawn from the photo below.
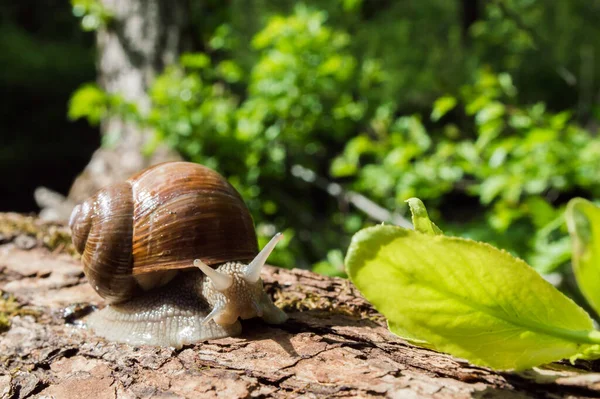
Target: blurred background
(326, 115)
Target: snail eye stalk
(217, 310)
(220, 281)
(252, 272)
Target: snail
(174, 253)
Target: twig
(366, 205)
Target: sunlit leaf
(89, 102)
(442, 106)
(467, 298)
(195, 60)
(583, 220)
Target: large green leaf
(466, 298)
(583, 220)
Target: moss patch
(55, 237)
(9, 308)
(302, 300)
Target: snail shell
(134, 235)
(168, 250)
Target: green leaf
(333, 266)
(230, 71)
(591, 352)
(583, 221)
(88, 101)
(540, 210)
(415, 129)
(420, 218)
(493, 186)
(397, 329)
(442, 106)
(92, 12)
(467, 298)
(341, 167)
(195, 60)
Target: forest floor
(334, 344)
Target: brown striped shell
(133, 235)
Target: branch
(364, 204)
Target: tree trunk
(334, 345)
(138, 42)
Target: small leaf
(420, 218)
(195, 60)
(90, 102)
(591, 352)
(413, 126)
(333, 266)
(442, 106)
(230, 71)
(492, 187)
(341, 167)
(540, 210)
(583, 221)
(466, 298)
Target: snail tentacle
(257, 308)
(220, 281)
(252, 271)
(217, 310)
(270, 312)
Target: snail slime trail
(174, 253)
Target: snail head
(235, 290)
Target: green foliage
(511, 157)
(442, 106)
(89, 102)
(583, 219)
(92, 13)
(332, 266)
(517, 36)
(466, 298)
(389, 100)
(93, 104)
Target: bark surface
(334, 345)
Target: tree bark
(334, 345)
(142, 37)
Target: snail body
(174, 253)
